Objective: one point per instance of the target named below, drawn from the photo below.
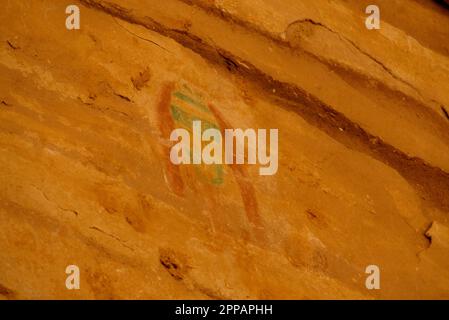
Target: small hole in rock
(445, 112)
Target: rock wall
(86, 178)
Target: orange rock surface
(86, 178)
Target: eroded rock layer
(86, 178)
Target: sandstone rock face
(86, 178)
